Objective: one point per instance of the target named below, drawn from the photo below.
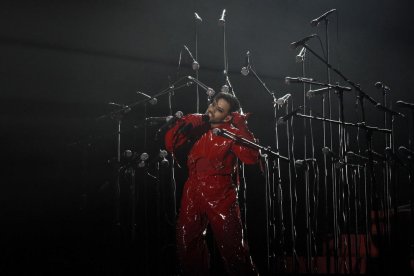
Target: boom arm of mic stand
(239, 139)
(331, 86)
(128, 108)
(173, 88)
(119, 112)
(357, 88)
(231, 88)
(360, 125)
(261, 82)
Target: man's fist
(195, 119)
(239, 120)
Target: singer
(210, 195)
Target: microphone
(375, 154)
(289, 80)
(123, 106)
(405, 104)
(197, 18)
(327, 151)
(301, 56)
(163, 154)
(339, 163)
(152, 100)
(160, 158)
(314, 92)
(222, 20)
(217, 131)
(143, 157)
(282, 100)
(381, 85)
(224, 133)
(390, 155)
(157, 120)
(283, 119)
(129, 155)
(195, 64)
(300, 163)
(407, 152)
(354, 155)
(301, 42)
(225, 88)
(209, 91)
(315, 22)
(246, 69)
(171, 121)
(390, 111)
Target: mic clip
(282, 100)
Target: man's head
(221, 108)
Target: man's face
(219, 112)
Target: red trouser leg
(191, 246)
(211, 200)
(225, 222)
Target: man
(209, 195)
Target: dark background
(61, 62)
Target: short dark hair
(232, 100)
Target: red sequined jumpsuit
(210, 196)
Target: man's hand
(196, 119)
(239, 120)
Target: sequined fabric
(210, 197)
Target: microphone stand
(196, 58)
(268, 152)
(392, 178)
(251, 144)
(118, 115)
(313, 224)
(328, 77)
(278, 173)
(390, 169)
(267, 209)
(361, 96)
(411, 181)
(292, 191)
(369, 131)
(308, 223)
(121, 225)
(345, 188)
(242, 180)
(170, 91)
(278, 213)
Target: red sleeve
(245, 154)
(173, 139)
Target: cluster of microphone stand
(347, 191)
